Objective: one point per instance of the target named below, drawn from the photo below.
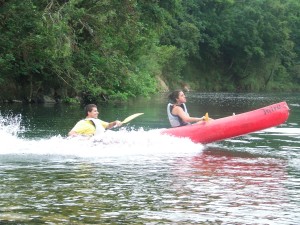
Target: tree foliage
(116, 49)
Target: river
(137, 176)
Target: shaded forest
(107, 50)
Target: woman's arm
(178, 111)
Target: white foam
(111, 143)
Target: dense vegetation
(111, 49)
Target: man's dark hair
(89, 108)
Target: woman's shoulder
(177, 108)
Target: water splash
(119, 143)
(11, 124)
(10, 128)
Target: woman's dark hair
(89, 108)
(174, 95)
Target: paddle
(129, 118)
(206, 117)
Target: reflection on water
(238, 186)
(133, 175)
(213, 185)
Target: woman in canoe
(177, 111)
(91, 125)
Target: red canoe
(233, 126)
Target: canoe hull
(233, 126)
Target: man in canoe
(177, 111)
(91, 125)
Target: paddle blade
(206, 117)
(129, 118)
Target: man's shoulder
(84, 122)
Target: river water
(136, 176)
